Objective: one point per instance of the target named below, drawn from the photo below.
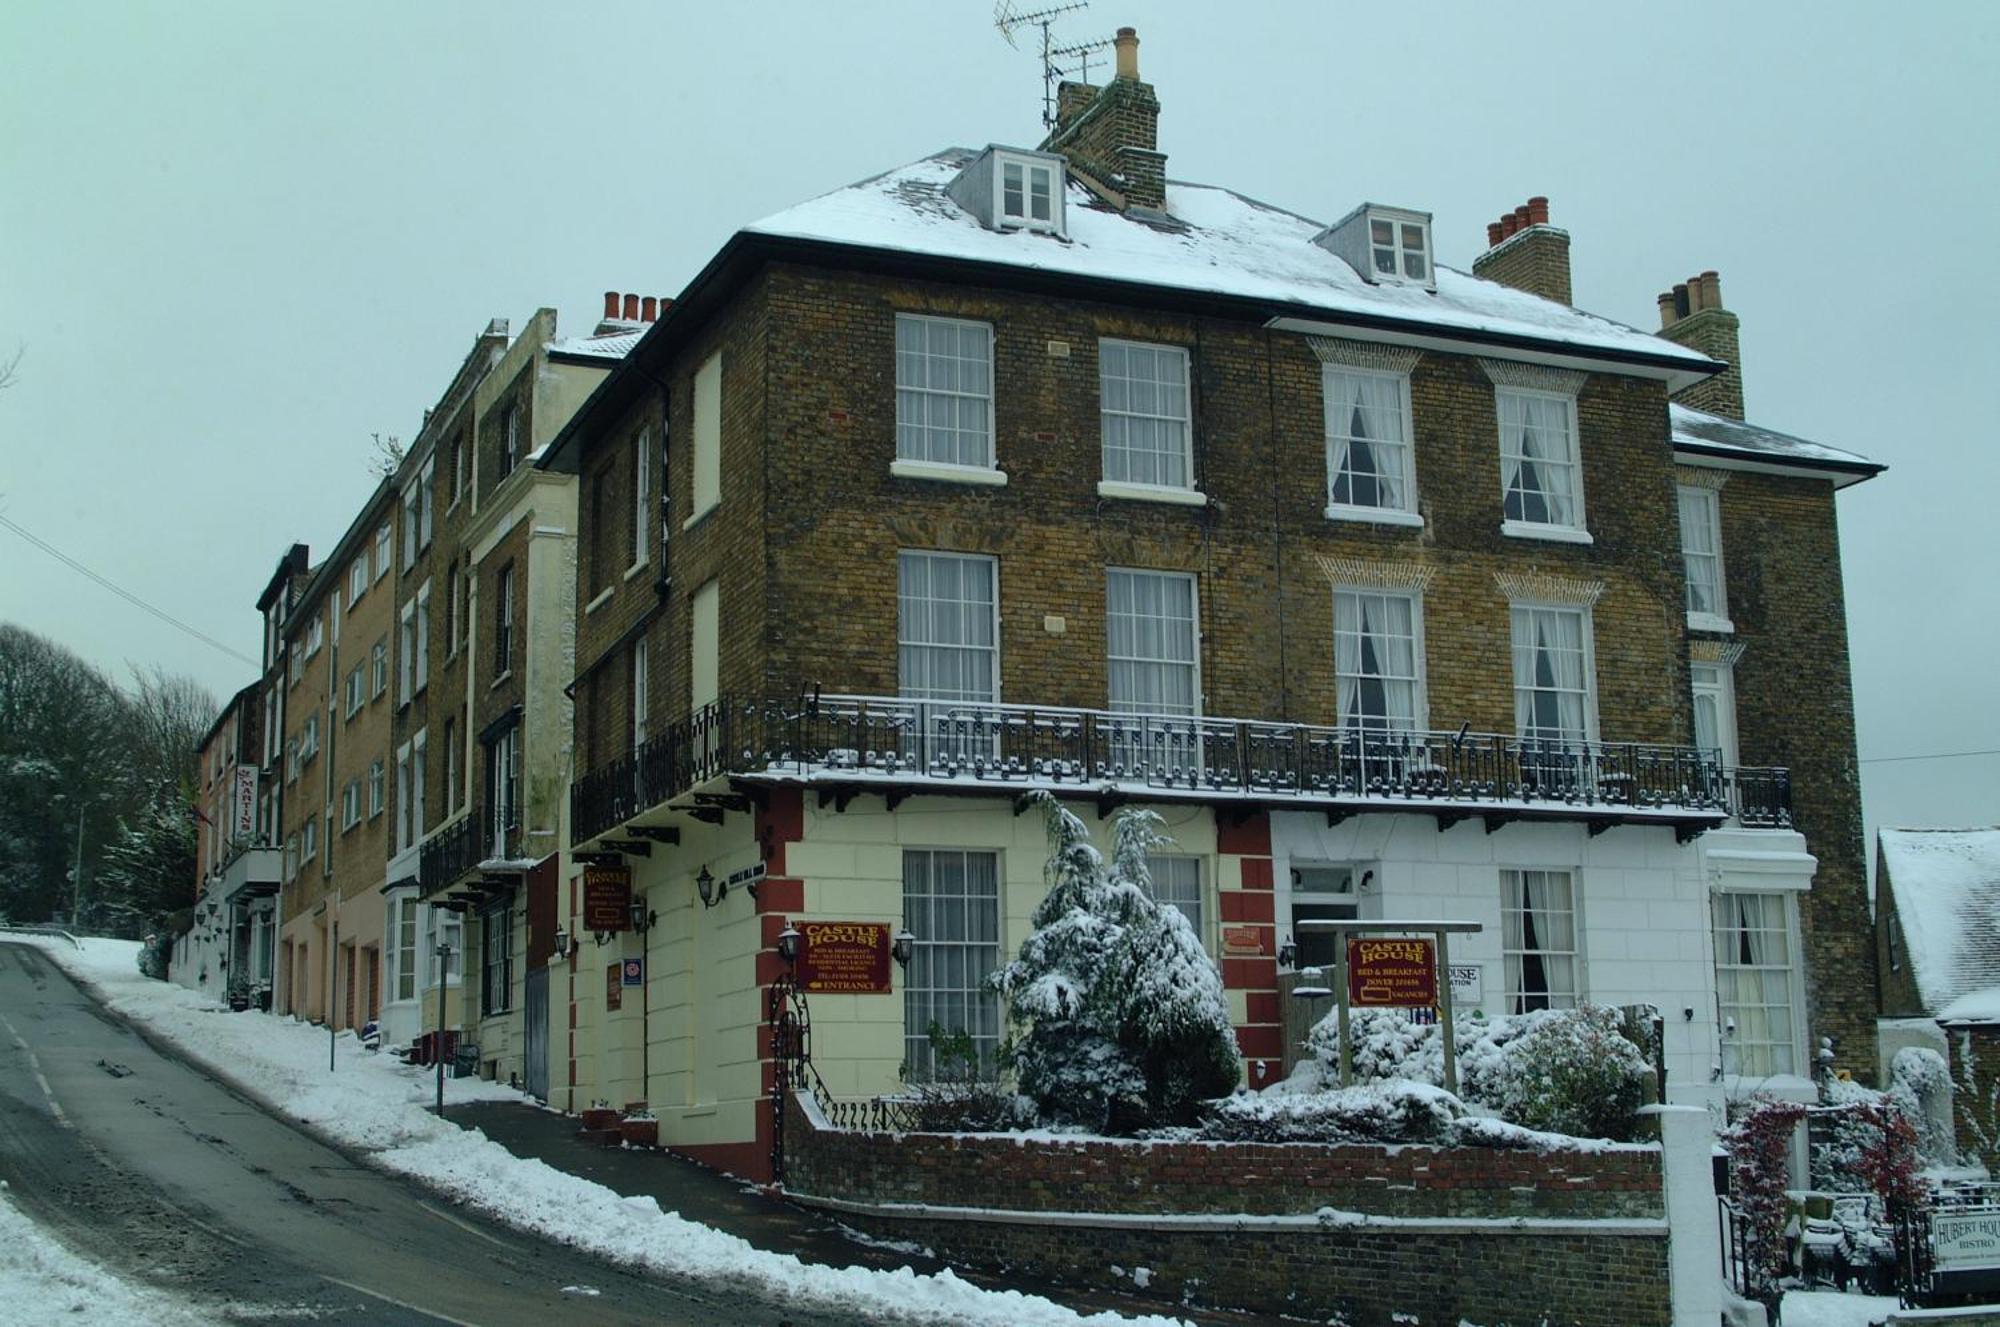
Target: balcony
(250, 871)
(844, 745)
(449, 855)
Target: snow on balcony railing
(865, 740)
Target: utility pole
(443, 957)
(76, 878)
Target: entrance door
(535, 1034)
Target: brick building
(1399, 592)
(214, 955)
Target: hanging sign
(614, 995)
(607, 898)
(243, 803)
(845, 957)
(1391, 974)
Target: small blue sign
(633, 973)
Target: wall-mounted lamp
(562, 942)
(643, 917)
(903, 948)
(704, 885)
(1288, 954)
(788, 943)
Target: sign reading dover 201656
(1391, 974)
(847, 957)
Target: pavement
(765, 1220)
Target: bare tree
(173, 712)
(388, 455)
(10, 371)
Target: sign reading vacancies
(607, 898)
(850, 958)
(1391, 974)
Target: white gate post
(1694, 1234)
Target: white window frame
(503, 780)
(405, 935)
(1570, 531)
(915, 453)
(642, 500)
(378, 664)
(376, 775)
(1733, 1066)
(1052, 175)
(419, 807)
(1513, 881)
(1701, 513)
(350, 804)
(1419, 689)
(309, 738)
(921, 913)
(510, 439)
(357, 579)
(503, 623)
(1194, 641)
(705, 457)
(403, 797)
(1165, 867)
(356, 690)
(1339, 442)
(1717, 682)
(291, 865)
(309, 840)
(1125, 485)
(1398, 248)
(496, 952)
(1589, 691)
(906, 641)
(406, 652)
(385, 547)
(315, 635)
(423, 620)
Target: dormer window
(1401, 249)
(1388, 246)
(1010, 188)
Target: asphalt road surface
(149, 1166)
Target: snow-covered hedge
(1387, 1112)
(1568, 1071)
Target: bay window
(1755, 987)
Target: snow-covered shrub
(1759, 1145)
(1118, 1015)
(959, 1096)
(1566, 1071)
(1395, 1111)
(1920, 1085)
(1386, 1045)
(1864, 1143)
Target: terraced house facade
(1401, 593)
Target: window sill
(1710, 622)
(700, 516)
(1177, 497)
(989, 476)
(1554, 534)
(636, 568)
(603, 597)
(1375, 516)
(501, 680)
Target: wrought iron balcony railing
(450, 854)
(864, 741)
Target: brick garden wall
(1443, 1253)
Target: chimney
(1692, 315)
(1524, 251)
(611, 306)
(1112, 133)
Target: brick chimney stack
(1524, 251)
(1692, 314)
(1112, 133)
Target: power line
(126, 594)
(1940, 755)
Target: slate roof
(1946, 884)
(1732, 439)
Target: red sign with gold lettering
(607, 898)
(1391, 974)
(850, 958)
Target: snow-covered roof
(1212, 242)
(1946, 884)
(610, 345)
(1716, 435)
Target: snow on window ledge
(603, 597)
(1710, 622)
(947, 473)
(1182, 497)
(1557, 534)
(1374, 515)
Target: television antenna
(1056, 59)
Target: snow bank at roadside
(1830, 1308)
(47, 1283)
(373, 1104)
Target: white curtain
(1539, 478)
(944, 619)
(1375, 660)
(1753, 980)
(1549, 680)
(1365, 416)
(1538, 935)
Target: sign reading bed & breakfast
(607, 898)
(847, 958)
(1387, 973)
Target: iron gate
(535, 1034)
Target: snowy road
(151, 1167)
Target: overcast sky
(236, 239)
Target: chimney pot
(1127, 44)
(1495, 232)
(649, 309)
(610, 304)
(631, 308)
(1508, 225)
(1711, 289)
(1682, 306)
(1521, 218)
(1538, 210)
(1668, 315)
